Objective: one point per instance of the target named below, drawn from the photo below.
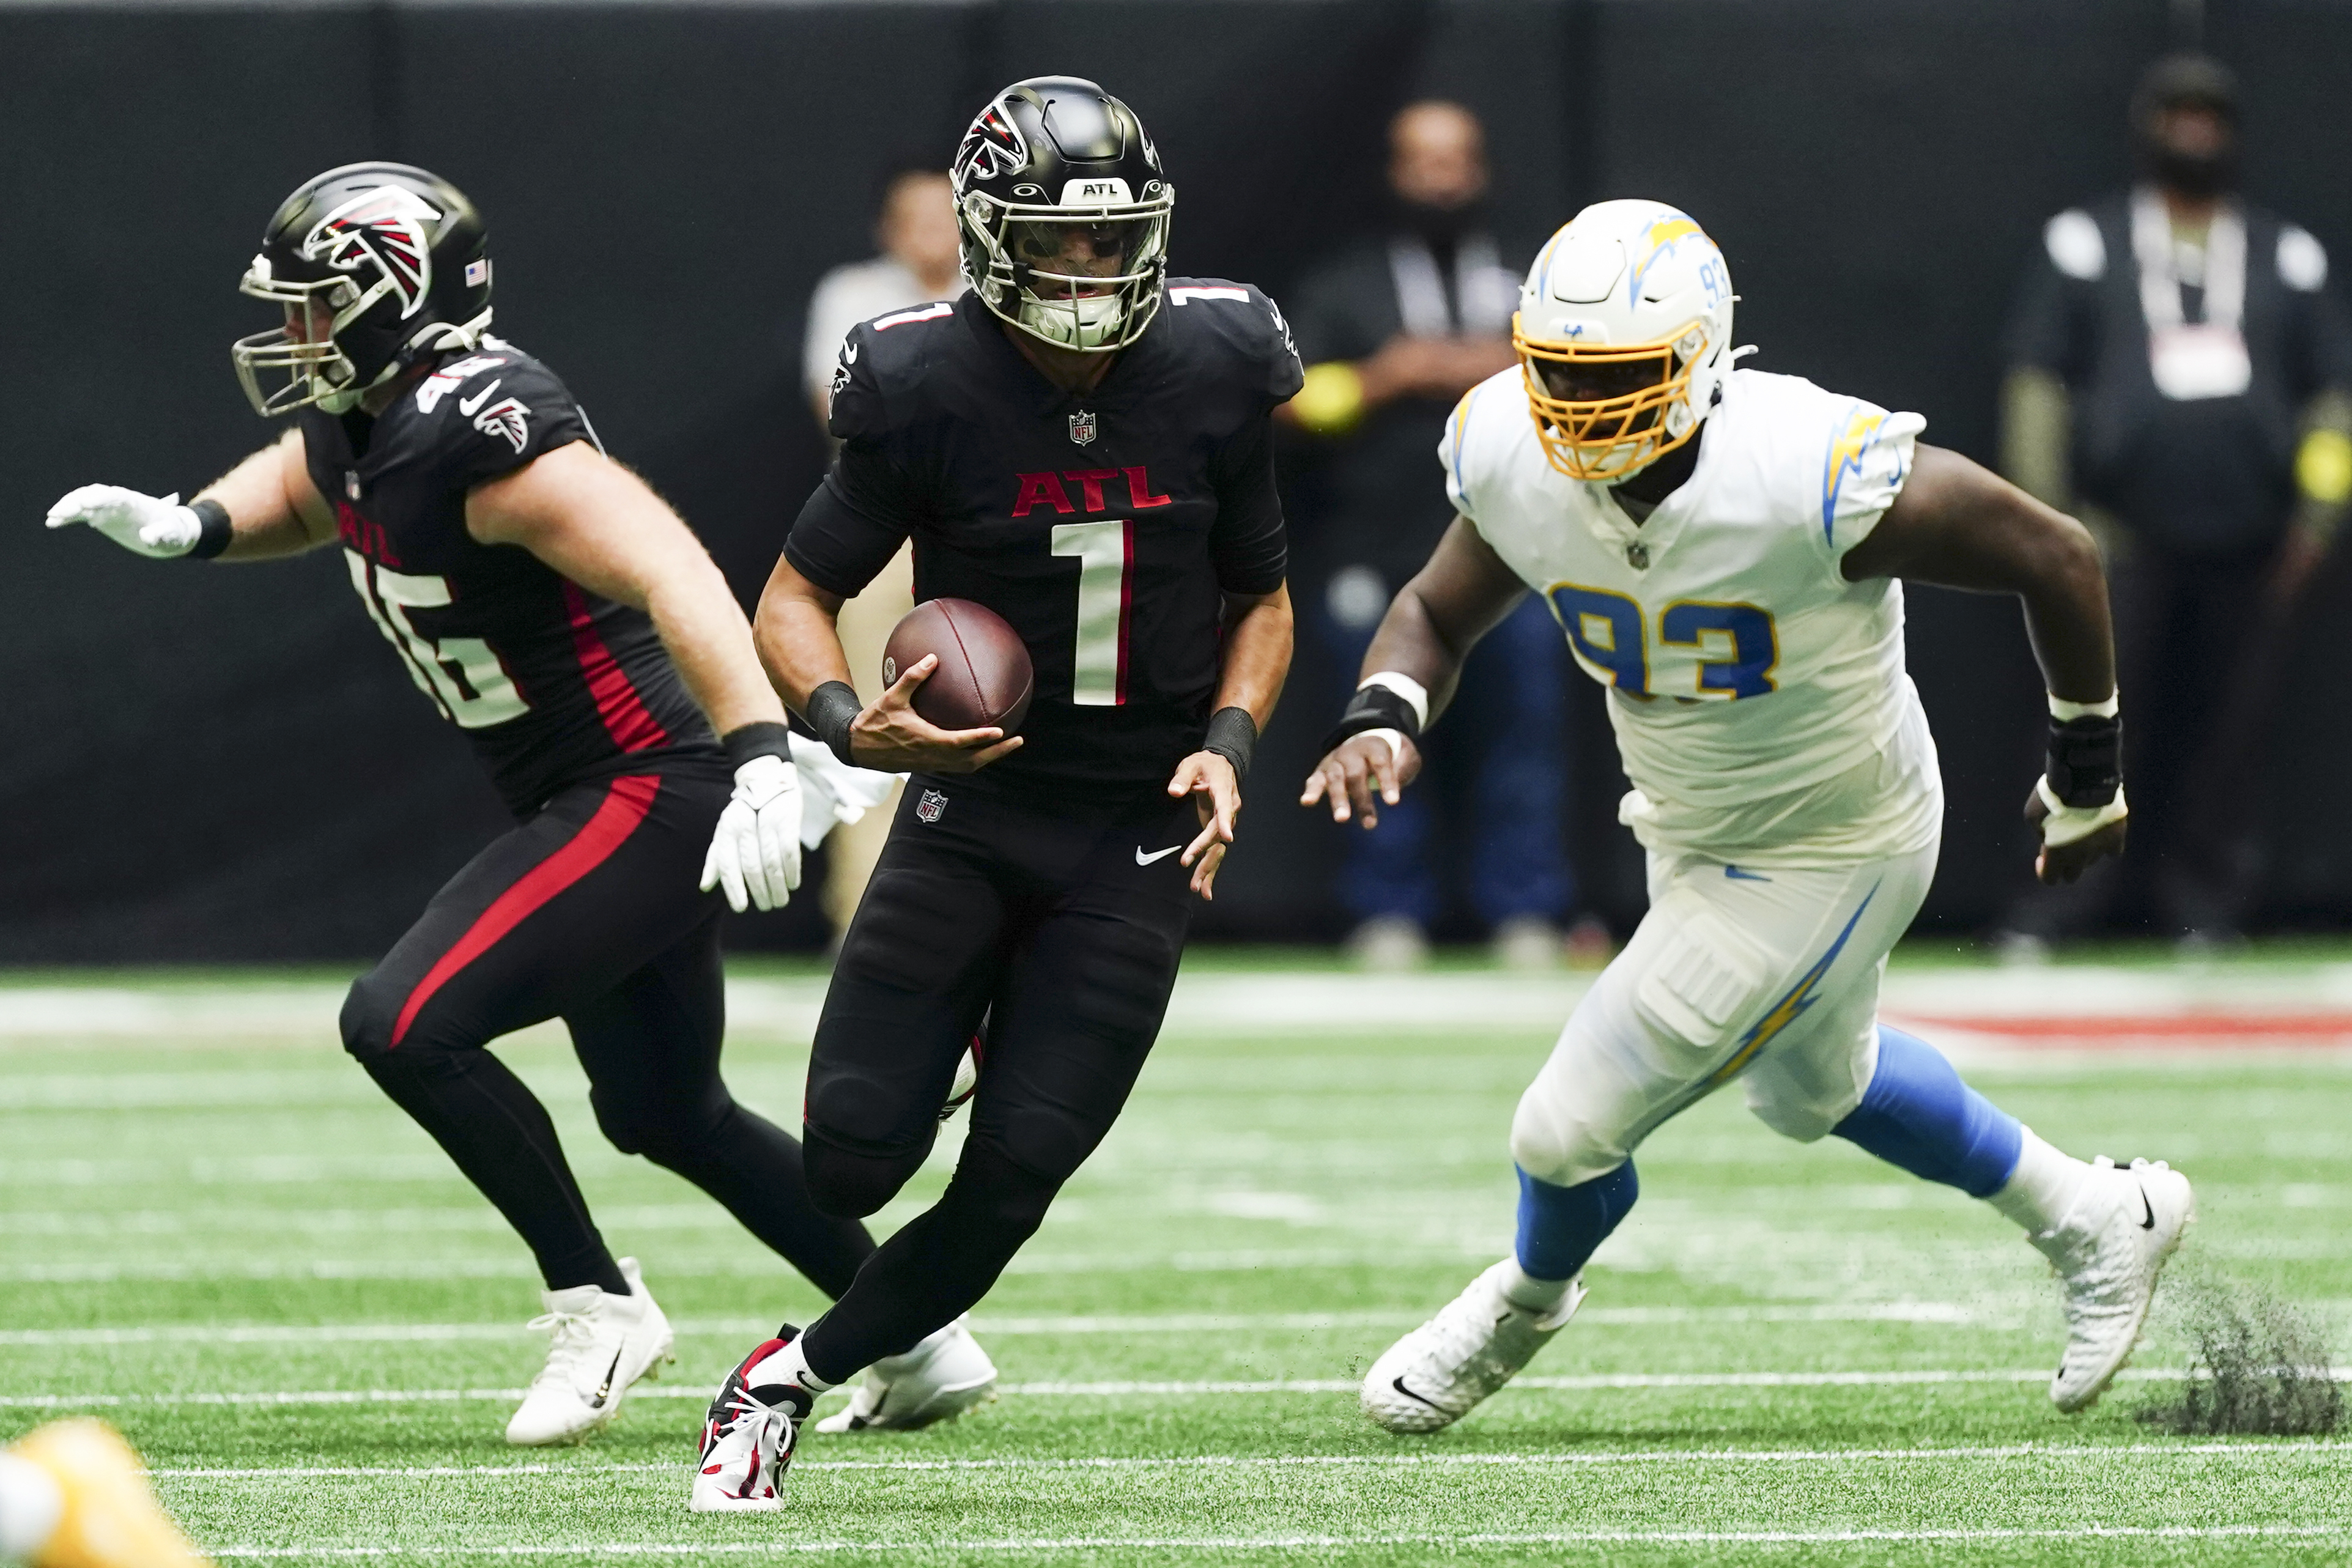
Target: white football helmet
(1625, 336)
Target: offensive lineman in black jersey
(1098, 470)
(558, 612)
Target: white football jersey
(1759, 699)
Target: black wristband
(833, 708)
(1374, 708)
(765, 738)
(217, 529)
(1233, 735)
(2086, 760)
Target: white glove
(157, 527)
(756, 853)
(837, 792)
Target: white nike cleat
(2107, 1252)
(942, 1378)
(747, 1438)
(1477, 1342)
(603, 1344)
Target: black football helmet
(378, 264)
(1064, 211)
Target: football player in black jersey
(1083, 445)
(551, 606)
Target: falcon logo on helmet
(1625, 336)
(389, 227)
(992, 147)
(1063, 211)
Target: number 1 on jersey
(1106, 556)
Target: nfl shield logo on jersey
(1082, 426)
(930, 805)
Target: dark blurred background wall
(224, 763)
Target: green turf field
(213, 1231)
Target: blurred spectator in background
(1393, 332)
(921, 262)
(2179, 379)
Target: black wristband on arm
(1233, 735)
(765, 738)
(2086, 760)
(833, 708)
(1374, 708)
(217, 531)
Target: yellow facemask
(1630, 425)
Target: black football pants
(589, 912)
(1066, 936)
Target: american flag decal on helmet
(993, 146)
(387, 227)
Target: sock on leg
(1559, 1229)
(2043, 1188)
(786, 1363)
(1917, 1114)
(30, 1506)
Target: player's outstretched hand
(755, 856)
(1208, 778)
(158, 527)
(893, 738)
(1360, 769)
(2069, 850)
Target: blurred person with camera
(2180, 376)
(919, 262)
(1393, 332)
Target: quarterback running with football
(1083, 445)
(554, 609)
(1723, 549)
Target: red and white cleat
(747, 1436)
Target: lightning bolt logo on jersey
(1742, 666)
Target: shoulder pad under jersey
(1241, 323)
(882, 366)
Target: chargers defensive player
(1722, 548)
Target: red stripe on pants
(624, 807)
(633, 729)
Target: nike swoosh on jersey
(1143, 860)
(2149, 1223)
(467, 406)
(1735, 874)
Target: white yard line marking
(1058, 1544)
(1169, 1323)
(748, 1264)
(2066, 1452)
(1117, 1389)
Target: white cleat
(942, 1378)
(603, 1344)
(2107, 1252)
(748, 1438)
(1477, 1342)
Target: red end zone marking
(625, 805)
(2123, 1029)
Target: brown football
(983, 677)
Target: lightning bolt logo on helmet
(387, 227)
